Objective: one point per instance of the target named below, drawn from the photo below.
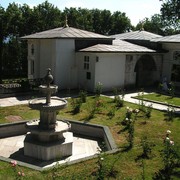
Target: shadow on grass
(122, 130)
(126, 148)
(164, 174)
(169, 117)
(142, 156)
(87, 119)
(158, 95)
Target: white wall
(47, 56)
(83, 82)
(110, 70)
(65, 65)
(57, 54)
(168, 58)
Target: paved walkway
(129, 98)
(12, 101)
(12, 147)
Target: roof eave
(117, 52)
(76, 38)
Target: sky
(136, 10)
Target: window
(176, 56)
(175, 73)
(97, 59)
(32, 67)
(32, 49)
(88, 75)
(86, 62)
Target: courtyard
(149, 129)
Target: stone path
(12, 101)
(129, 98)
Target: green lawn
(125, 164)
(23, 111)
(162, 98)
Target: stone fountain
(47, 138)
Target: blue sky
(136, 10)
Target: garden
(147, 140)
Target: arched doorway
(145, 68)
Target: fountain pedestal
(47, 138)
(48, 150)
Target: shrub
(148, 110)
(118, 97)
(146, 147)
(141, 101)
(83, 96)
(170, 112)
(130, 137)
(170, 158)
(76, 105)
(104, 167)
(171, 90)
(111, 113)
(98, 89)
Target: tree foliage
(153, 24)
(2, 36)
(170, 13)
(120, 23)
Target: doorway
(145, 68)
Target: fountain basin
(88, 131)
(49, 135)
(40, 104)
(45, 89)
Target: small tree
(98, 89)
(141, 101)
(111, 113)
(83, 96)
(148, 111)
(130, 138)
(170, 112)
(146, 147)
(76, 105)
(172, 89)
(118, 97)
(169, 155)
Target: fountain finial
(48, 78)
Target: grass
(162, 98)
(127, 163)
(23, 111)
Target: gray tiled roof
(67, 33)
(172, 38)
(136, 35)
(118, 46)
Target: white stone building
(81, 59)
